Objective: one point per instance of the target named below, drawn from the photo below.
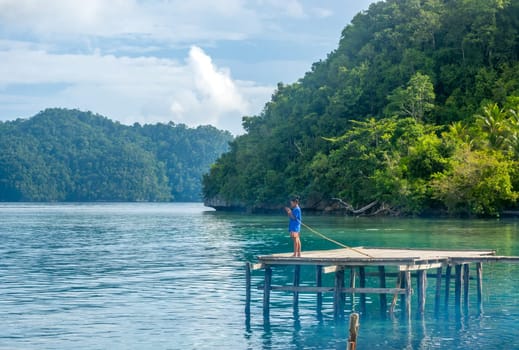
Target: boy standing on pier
(294, 224)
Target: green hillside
(415, 112)
(69, 155)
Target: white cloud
(128, 59)
(134, 89)
(69, 17)
(216, 86)
(215, 97)
(291, 8)
(173, 21)
(322, 12)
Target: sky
(197, 62)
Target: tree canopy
(69, 155)
(416, 110)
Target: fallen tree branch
(350, 208)
(385, 209)
(365, 208)
(347, 206)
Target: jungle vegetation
(70, 155)
(416, 112)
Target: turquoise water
(171, 276)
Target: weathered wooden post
(447, 285)
(408, 292)
(448, 272)
(403, 284)
(438, 291)
(319, 283)
(399, 284)
(362, 284)
(266, 292)
(479, 276)
(457, 288)
(338, 302)
(354, 330)
(466, 286)
(353, 276)
(383, 297)
(421, 284)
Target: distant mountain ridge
(71, 155)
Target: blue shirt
(294, 225)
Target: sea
(172, 276)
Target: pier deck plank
(361, 256)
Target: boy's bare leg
(297, 246)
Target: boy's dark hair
(294, 199)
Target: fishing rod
(333, 241)
(328, 238)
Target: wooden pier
(382, 263)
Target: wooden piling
(421, 281)
(399, 283)
(403, 284)
(479, 274)
(437, 295)
(419, 291)
(353, 331)
(408, 292)
(382, 284)
(338, 303)
(266, 292)
(447, 285)
(457, 287)
(353, 277)
(362, 284)
(466, 286)
(319, 283)
(406, 261)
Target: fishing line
(333, 241)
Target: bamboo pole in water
(354, 330)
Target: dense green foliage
(416, 110)
(68, 155)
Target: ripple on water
(171, 276)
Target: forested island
(69, 155)
(415, 113)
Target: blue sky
(195, 62)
